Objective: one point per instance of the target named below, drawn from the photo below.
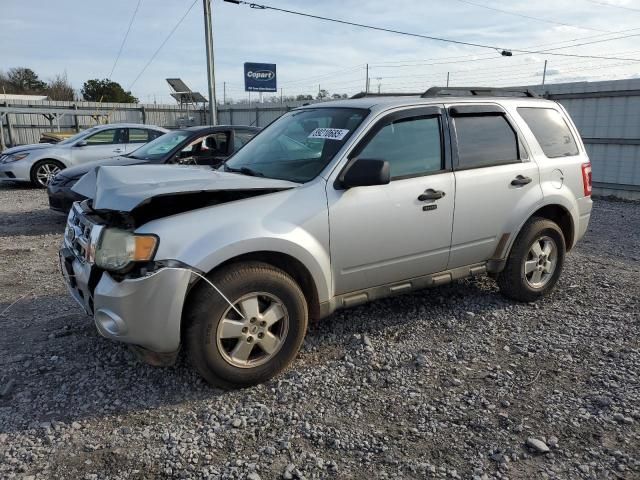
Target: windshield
(78, 136)
(298, 145)
(159, 147)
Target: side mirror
(81, 143)
(363, 172)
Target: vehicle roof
(199, 128)
(128, 125)
(376, 103)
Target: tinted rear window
(485, 140)
(551, 131)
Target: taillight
(586, 178)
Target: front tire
(253, 340)
(43, 172)
(535, 261)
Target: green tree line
(24, 81)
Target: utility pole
(281, 96)
(224, 93)
(366, 80)
(544, 73)
(319, 92)
(211, 79)
(447, 79)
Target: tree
(59, 88)
(304, 97)
(22, 80)
(105, 90)
(322, 94)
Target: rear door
(497, 183)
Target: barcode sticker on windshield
(329, 133)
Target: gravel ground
(454, 382)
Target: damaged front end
(111, 269)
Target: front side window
(551, 131)
(106, 137)
(412, 146)
(298, 145)
(485, 140)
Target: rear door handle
(431, 194)
(117, 150)
(520, 180)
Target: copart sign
(260, 77)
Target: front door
(103, 144)
(388, 233)
(497, 184)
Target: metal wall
(20, 129)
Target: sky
(82, 38)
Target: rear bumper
(585, 205)
(145, 312)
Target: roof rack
(370, 94)
(486, 91)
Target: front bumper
(15, 171)
(61, 198)
(145, 312)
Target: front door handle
(520, 180)
(117, 150)
(431, 194)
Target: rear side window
(138, 135)
(485, 140)
(551, 131)
(411, 146)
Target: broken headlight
(117, 248)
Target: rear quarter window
(551, 131)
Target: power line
(528, 16)
(506, 52)
(124, 39)
(614, 6)
(162, 44)
(474, 57)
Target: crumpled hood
(83, 168)
(125, 188)
(27, 148)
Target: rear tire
(535, 261)
(43, 172)
(230, 351)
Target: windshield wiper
(244, 170)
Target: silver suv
(333, 205)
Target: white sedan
(39, 163)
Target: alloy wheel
(46, 172)
(541, 262)
(255, 339)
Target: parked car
(195, 145)
(332, 205)
(39, 163)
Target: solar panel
(178, 85)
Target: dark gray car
(191, 146)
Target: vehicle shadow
(62, 370)
(22, 186)
(31, 223)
